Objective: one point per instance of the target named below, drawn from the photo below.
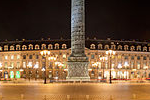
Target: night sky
(36, 19)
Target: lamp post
(145, 67)
(103, 59)
(45, 53)
(110, 53)
(0, 74)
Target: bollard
(68, 97)
(134, 96)
(1, 96)
(87, 97)
(22, 96)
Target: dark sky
(34, 19)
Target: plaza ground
(74, 91)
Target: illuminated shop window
(12, 57)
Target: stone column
(78, 62)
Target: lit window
(138, 65)
(6, 57)
(18, 56)
(30, 65)
(50, 46)
(36, 65)
(43, 46)
(100, 46)
(24, 64)
(12, 48)
(56, 46)
(6, 47)
(5, 65)
(12, 64)
(92, 56)
(64, 56)
(18, 65)
(30, 47)
(17, 47)
(12, 57)
(92, 46)
(24, 47)
(0, 65)
(37, 47)
(0, 48)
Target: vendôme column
(78, 61)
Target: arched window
(113, 47)
(30, 47)
(43, 46)
(24, 47)
(126, 47)
(56, 46)
(132, 48)
(37, 47)
(64, 46)
(12, 47)
(50, 46)
(17, 47)
(119, 47)
(92, 46)
(144, 48)
(6, 47)
(138, 48)
(106, 47)
(100, 46)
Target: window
(144, 58)
(92, 56)
(132, 65)
(18, 56)
(6, 57)
(126, 57)
(24, 47)
(6, 47)
(5, 65)
(29, 65)
(37, 56)
(138, 57)
(132, 57)
(1, 48)
(100, 46)
(17, 47)
(37, 47)
(43, 46)
(132, 48)
(30, 57)
(12, 64)
(24, 64)
(64, 46)
(113, 47)
(119, 47)
(36, 65)
(30, 47)
(144, 48)
(138, 65)
(56, 46)
(12, 48)
(24, 56)
(92, 46)
(139, 48)
(18, 65)
(126, 47)
(12, 57)
(50, 46)
(106, 47)
(64, 56)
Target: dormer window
(43, 46)
(113, 47)
(12, 48)
(24, 47)
(50, 46)
(138, 48)
(30, 47)
(37, 47)
(17, 47)
(6, 47)
(100, 46)
(92, 46)
(106, 47)
(1, 48)
(126, 47)
(56, 46)
(120, 47)
(64, 46)
(144, 48)
(132, 48)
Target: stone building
(22, 59)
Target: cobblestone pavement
(75, 91)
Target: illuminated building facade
(22, 59)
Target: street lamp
(110, 53)
(145, 67)
(45, 53)
(0, 74)
(103, 59)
